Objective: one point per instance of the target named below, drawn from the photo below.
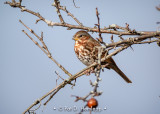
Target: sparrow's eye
(80, 35)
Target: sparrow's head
(81, 35)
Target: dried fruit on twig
(92, 103)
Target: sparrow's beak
(75, 38)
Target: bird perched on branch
(86, 50)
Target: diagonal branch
(44, 48)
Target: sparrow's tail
(115, 68)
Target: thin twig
(56, 4)
(33, 110)
(82, 98)
(75, 4)
(99, 29)
(58, 77)
(65, 9)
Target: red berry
(92, 103)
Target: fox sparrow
(87, 53)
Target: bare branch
(131, 41)
(57, 4)
(44, 48)
(103, 30)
